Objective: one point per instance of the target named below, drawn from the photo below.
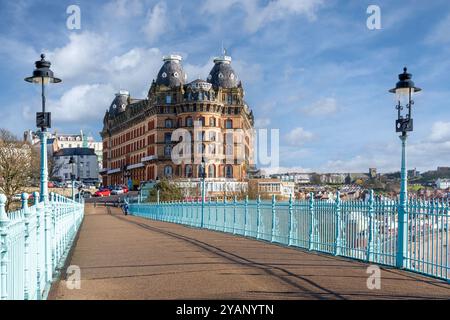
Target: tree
(315, 179)
(17, 165)
(167, 192)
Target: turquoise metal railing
(34, 243)
(362, 230)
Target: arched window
(189, 122)
(229, 124)
(229, 150)
(212, 136)
(168, 123)
(229, 171)
(202, 121)
(201, 148)
(167, 151)
(168, 171)
(167, 137)
(212, 149)
(211, 171)
(212, 122)
(188, 170)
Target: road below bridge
(125, 257)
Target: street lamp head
(404, 90)
(43, 73)
(405, 85)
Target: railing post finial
(3, 215)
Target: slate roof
(67, 152)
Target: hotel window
(212, 122)
(169, 123)
(212, 149)
(168, 99)
(229, 171)
(229, 150)
(229, 124)
(168, 171)
(230, 100)
(167, 151)
(189, 122)
(167, 137)
(202, 121)
(188, 170)
(211, 171)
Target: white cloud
(298, 136)
(423, 155)
(440, 34)
(156, 23)
(82, 56)
(248, 72)
(322, 107)
(128, 60)
(278, 10)
(17, 51)
(440, 131)
(197, 71)
(293, 169)
(257, 16)
(124, 8)
(262, 122)
(85, 102)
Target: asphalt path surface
(126, 257)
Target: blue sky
(310, 68)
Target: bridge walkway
(125, 257)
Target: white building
(67, 141)
(443, 183)
(213, 186)
(85, 167)
(300, 178)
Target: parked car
(117, 190)
(102, 193)
(84, 194)
(125, 189)
(51, 184)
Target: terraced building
(139, 135)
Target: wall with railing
(363, 230)
(34, 244)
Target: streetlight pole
(43, 75)
(203, 176)
(404, 91)
(72, 176)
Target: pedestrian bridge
(34, 244)
(130, 257)
(221, 250)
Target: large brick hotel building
(137, 133)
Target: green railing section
(363, 230)
(34, 244)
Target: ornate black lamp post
(404, 91)
(72, 175)
(126, 175)
(203, 177)
(43, 75)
